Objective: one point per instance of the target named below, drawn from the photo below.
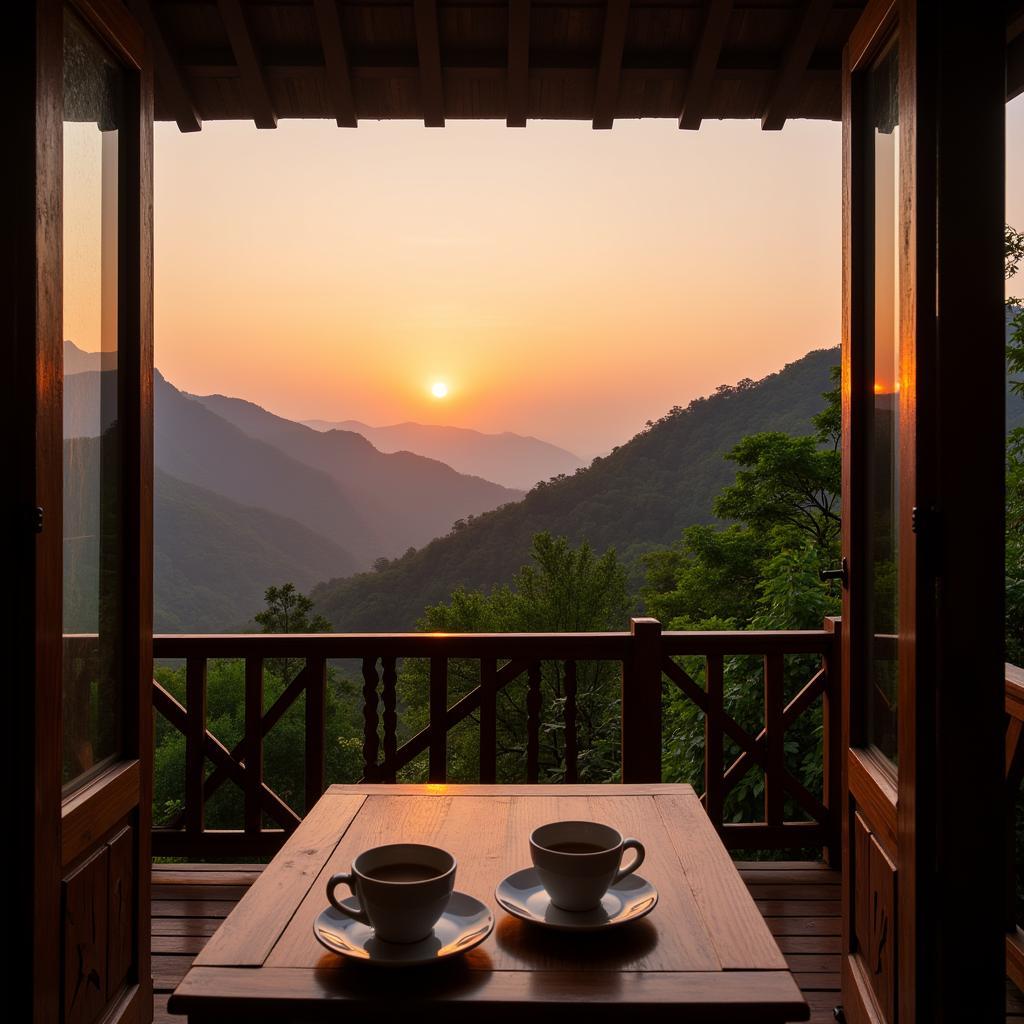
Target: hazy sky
(563, 282)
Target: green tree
(784, 480)
(288, 611)
(565, 589)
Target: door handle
(840, 574)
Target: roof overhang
(513, 60)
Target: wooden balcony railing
(650, 662)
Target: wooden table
(705, 953)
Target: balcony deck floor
(799, 900)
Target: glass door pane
(93, 669)
(883, 322)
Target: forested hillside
(214, 558)
(640, 497)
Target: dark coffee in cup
(402, 872)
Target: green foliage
(790, 481)
(566, 589)
(761, 572)
(288, 611)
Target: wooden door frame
(30, 275)
(943, 810)
(46, 828)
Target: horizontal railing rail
(649, 660)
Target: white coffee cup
(578, 861)
(403, 889)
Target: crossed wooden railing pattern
(647, 657)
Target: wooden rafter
(794, 65)
(173, 87)
(518, 86)
(702, 70)
(1014, 68)
(428, 46)
(339, 79)
(254, 82)
(609, 71)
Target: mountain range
(639, 497)
(244, 498)
(509, 459)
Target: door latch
(840, 574)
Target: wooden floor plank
(160, 1014)
(805, 925)
(192, 908)
(799, 908)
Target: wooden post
(533, 704)
(389, 698)
(641, 703)
(488, 720)
(371, 741)
(832, 742)
(438, 760)
(253, 743)
(195, 743)
(714, 793)
(316, 714)
(774, 740)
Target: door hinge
(37, 519)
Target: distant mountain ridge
(514, 460)
(639, 497)
(405, 500)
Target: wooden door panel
(86, 923)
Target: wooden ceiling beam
(339, 78)
(794, 65)
(173, 87)
(428, 47)
(702, 71)
(1015, 68)
(609, 71)
(518, 85)
(254, 82)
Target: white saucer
(465, 924)
(522, 895)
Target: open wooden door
(923, 401)
(78, 399)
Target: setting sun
(439, 390)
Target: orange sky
(563, 282)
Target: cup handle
(343, 878)
(630, 844)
